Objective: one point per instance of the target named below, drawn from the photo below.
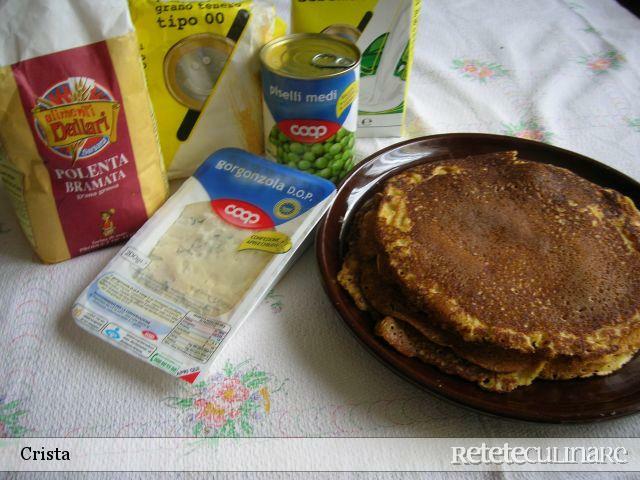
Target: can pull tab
(329, 60)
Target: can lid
(310, 55)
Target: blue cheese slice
(196, 262)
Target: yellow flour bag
(203, 72)
(79, 155)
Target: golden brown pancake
(518, 254)
(489, 357)
(374, 290)
(491, 361)
(413, 333)
(360, 246)
(380, 296)
(408, 341)
(564, 367)
(349, 278)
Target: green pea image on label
(330, 159)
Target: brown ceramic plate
(580, 400)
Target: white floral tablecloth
(562, 72)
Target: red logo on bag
(76, 118)
(242, 214)
(308, 131)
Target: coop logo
(245, 216)
(242, 214)
(308, 131)
(76, 118)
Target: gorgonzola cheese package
(176, 292)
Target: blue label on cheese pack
(253, 193)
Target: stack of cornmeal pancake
(499, 270)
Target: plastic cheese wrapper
(202, 67)
(79, 156)
(385, 32)
(186, 281)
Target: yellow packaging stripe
(137, 106)
(268, 241)
(316, 16)
(48, 236)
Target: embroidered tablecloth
(562, 72)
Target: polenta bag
(79, 155)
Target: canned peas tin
(310, 96)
